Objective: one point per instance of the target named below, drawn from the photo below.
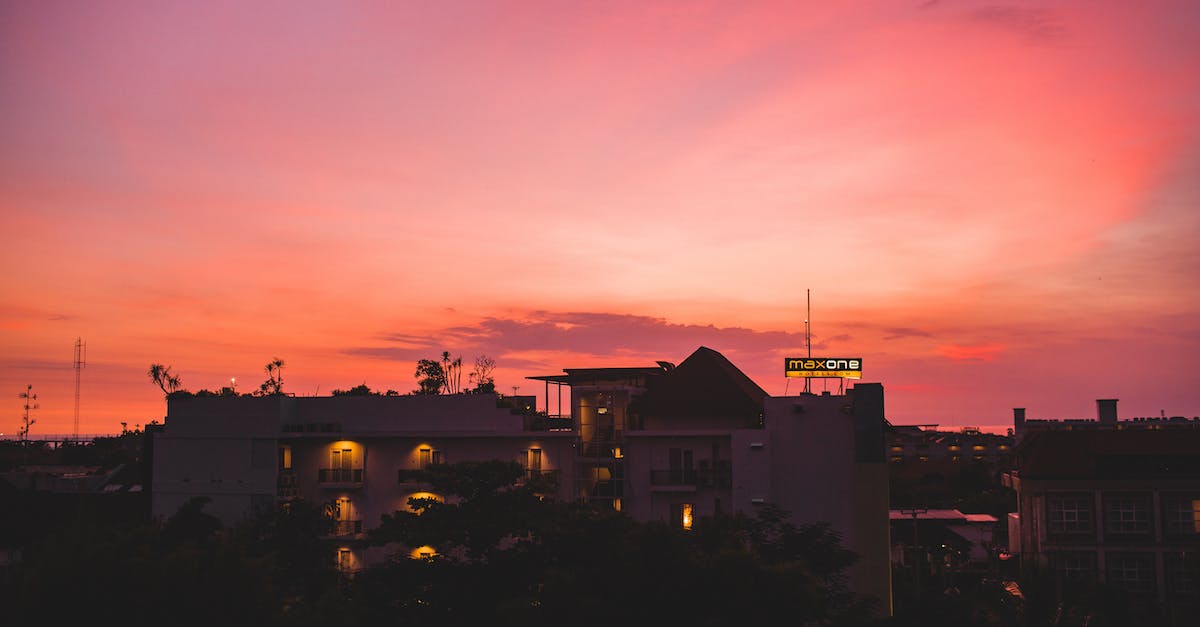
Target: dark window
(1069, 513)
(1181, 514)
(1131, 571)
(1127, 514)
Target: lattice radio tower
(80, 356)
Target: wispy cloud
(983, 352)
(1034, 24)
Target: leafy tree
(358, 390)
(526, 559)
(162, 376)
(431, 377)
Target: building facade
(1114, 506)
(660, 443)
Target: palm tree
(162, 377)
(274, 382)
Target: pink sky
(994, 205)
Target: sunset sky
(995, 204)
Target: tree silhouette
(27, 419)
(481, 376)
(274, 383)
(162, 376)
(452, 368)
(431, 377)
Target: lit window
(616, 503)
(345, 560)
(1181, 514)
(979, 447)
(685, 515)
(285, 457)
(897, 449)
(955, 447)
(617, 453)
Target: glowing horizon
(994, 205)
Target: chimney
(1106, 411)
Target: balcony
(340, 477)
(285, 485)
(719, 477)
(685, 477)
(541, 479)
(343, 528)
(412, 475)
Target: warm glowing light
(423, 552)
(420, 495)
(686, 515)
(617, 453)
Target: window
(285, 457)
(1182, 571)
(345, 464)
(1132, 571)
(426, 457)
(1181, 514)
(1127, 514)
(535, 461)
(682, 515)
(681, 466)
(1069, 513)
(1075, 567)
(342, 515)
(345, 560)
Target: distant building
(1106, 418)
(925, 443)
(946, 541)
(660, 443)
(1111, 502)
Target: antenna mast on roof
(80, 362)
(808, 334)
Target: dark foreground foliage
(505, 557)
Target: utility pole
(915, 512)
(80, 353)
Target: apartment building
(1112, 506)
(665, 442)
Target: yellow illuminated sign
(823, 367)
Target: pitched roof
(704, 384)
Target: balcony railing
(346, 527)
(715, 477)
(285, 486)
(340, 475)
(541, 478)
(675, 476)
